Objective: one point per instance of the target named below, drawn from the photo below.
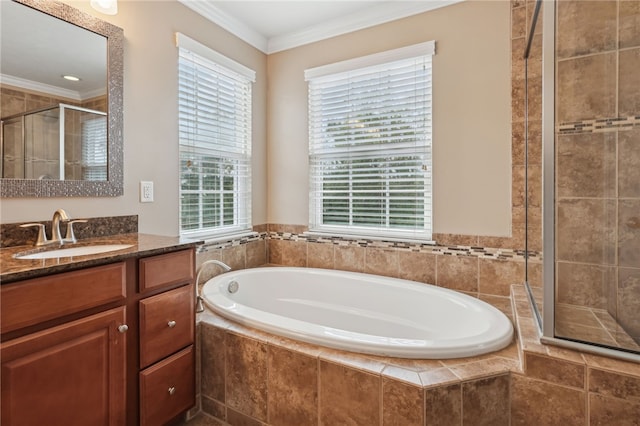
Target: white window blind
(94, 148)
(214, 107)
(370, 134)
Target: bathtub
(359, 312)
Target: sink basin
(73, 251)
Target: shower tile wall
(598, 158)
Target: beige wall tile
(214, 408)
(585, 231)
(517, 58)
(629, 23)
(235, 256)
(628, 293)
(246, 376)
(455, 239)
(256, 253)
(236, 418)
(497, 276)
(417, 266)
(586, 27)
(443, 406)
(586, 88)
(292, 388)
(517, 144)
(628, 83)
(348, 396)
(583, 284)
(402, 404)
(629, 232)
(517, 100)
(611, 384)
(486, 401)
(212, 353)
(320, 255)
(612, 411)
(457, 272)
(629, 163)
(548, 404)
(288, 253)
(555, 371)
(534, 95)
(586, 165)
(518, 22)
(381, 261)
(349, 258)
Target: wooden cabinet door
(72, 374)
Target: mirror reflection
(54, 97)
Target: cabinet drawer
(167, 324)
(41, 299)
(167, 388)
(166, 269)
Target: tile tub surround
(249, 377)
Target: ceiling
(38, 49)
(273, 26)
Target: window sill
(218, 238)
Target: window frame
(342, 72)
(215, 150)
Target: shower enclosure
(60, 142)
(582, 65)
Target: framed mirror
(60, 138)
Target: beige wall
(150, 118)
(472, 114)
(472, 170)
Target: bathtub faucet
(225, 268)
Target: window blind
(94, 148)
(214, 108)
(370, 135)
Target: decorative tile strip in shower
(599, 125)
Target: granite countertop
(12, 269)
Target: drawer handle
(172, 390)
(171, 324)
(123, 328)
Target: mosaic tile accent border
(600, 125)
(231, 242)
(449, 250)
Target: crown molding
(40, 87)
(376, 15)
(228, 22)
(386, 12)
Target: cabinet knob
(172, 390)
(123, 328)
(171, 324)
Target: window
(94, 148)
(214, 109)
(370, 129)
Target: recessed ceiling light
(71, 77)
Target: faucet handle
(70, 236)
(42, 235)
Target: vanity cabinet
(67, 365)
(167, 335)
(105, 345)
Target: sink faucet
(59, 215)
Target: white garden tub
(359, 312)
